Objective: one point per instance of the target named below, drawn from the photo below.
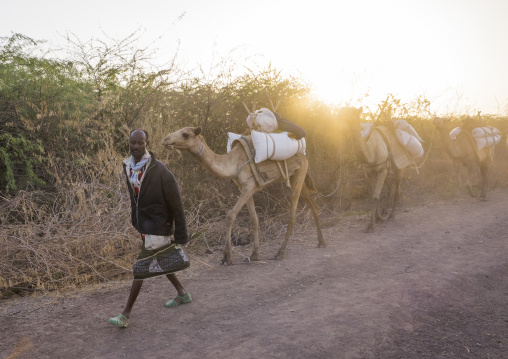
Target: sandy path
(431, 284)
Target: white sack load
(408, 137)
(231, 137)
(404, 126)
(455, 133)
(410, 143)
(367, 129)
(265, 119)
(486, 137)
(275, 146)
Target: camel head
(182, 139)
(440, 122)
(470, 123)
(349, 114)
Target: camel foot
(254, 258)
(321, 241)
(227, 261)
(369, 229)
(280, 255)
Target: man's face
(137, 144)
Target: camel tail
(309, 182)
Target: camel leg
(371, 177)
(471, 169)
(246, 194)
(315, 213)
(255, 229)
(254, 222)
(380, 177)
(398, 180)
(457, 166)
(296, 187)
(387, 202)
(484, 167)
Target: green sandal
(120, 321)
(178, 300)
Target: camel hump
(267, 171)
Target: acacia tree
(127, 82)
(42, 106)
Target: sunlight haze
(454, 52)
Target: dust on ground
(430, 284)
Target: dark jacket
(159, 203)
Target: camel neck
(220, 165)
(444, 133)
(360, 145)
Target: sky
(453, 52)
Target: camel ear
(197, 130)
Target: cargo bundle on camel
(385, 152)
(470, 145)
(238, 164)
(264, 143)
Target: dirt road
(431, 284)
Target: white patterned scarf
(137, 167)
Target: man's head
(138, 141)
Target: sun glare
(332, 92)
(397, 53)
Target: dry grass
(77, 236)
(81, 233)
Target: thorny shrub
(64, 208)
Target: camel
(234, 166)
(374, 154)
(463, 151)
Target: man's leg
(133, 295)
(182, 297)
(123, 319)
(176, 283)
